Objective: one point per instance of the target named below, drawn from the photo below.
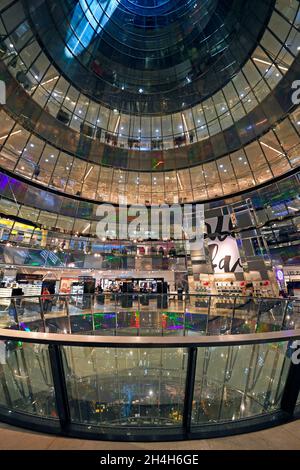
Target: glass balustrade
(145, 388)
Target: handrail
(124, 294)
(148, 341)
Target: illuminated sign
(279, 275)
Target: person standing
(47, 300)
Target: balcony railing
(110, 380)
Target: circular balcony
(140, 367)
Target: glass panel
(128, 387)
(28, 385)
(238, 382)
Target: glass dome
(149, 56)
(58, 132)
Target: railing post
(208, 314)
(286, 306)
(259, 302)
(60, 386)
(68, 313)
(233, 315)
(5, 387)
(93, 301)
(189, 390)
(42, 313)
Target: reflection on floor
(285, 437)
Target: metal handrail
(124, 294)
(149, 341)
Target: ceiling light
(86, 228)
(269, 63)
(7, 135)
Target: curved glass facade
(150, 57)
(276, 205)
(275, 154)
(233, 136)
(235, 99)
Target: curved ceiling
(243, 135)
(149, 56)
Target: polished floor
(285, 437)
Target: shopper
(47, 300)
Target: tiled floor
(286, 437)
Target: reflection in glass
(129, 387)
